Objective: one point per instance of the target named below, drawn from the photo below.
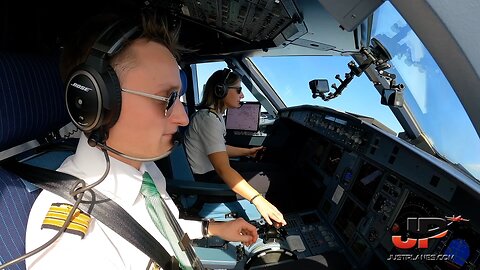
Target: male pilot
(149, 115)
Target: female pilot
(207, 152)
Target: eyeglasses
(238, 88)
(170, 100)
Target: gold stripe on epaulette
(57, 215)
(154, 266)
(80, 218)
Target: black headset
(93, 93)
(221, 89)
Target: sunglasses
(238, 88)
(170, 100)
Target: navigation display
(245, 118)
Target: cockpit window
(205, 70)
(289, 77)
(429, 96)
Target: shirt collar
(156, 174)
(123, 181)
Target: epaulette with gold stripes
(57, 215)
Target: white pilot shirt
(101, 248)
(205, 135)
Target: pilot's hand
(269, 212)
(236, 230)
(255, 151)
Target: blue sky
(289, 76)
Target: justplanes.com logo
(431, 228)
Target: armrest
(199, 188)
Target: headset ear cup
(112, 98)
(84, 98)
(93, 98)
(220, 91)
(93, 93)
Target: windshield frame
(429, 95)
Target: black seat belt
(98, 205)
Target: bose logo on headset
(81, 87)
(93, 94)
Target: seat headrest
(183, 78)
(32, 98)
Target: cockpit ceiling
(245, 20)
(210, 28)
(222, 27)
(267, 27)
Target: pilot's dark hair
(219, 77)
(153, 28)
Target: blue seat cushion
(16, 199)
(15, 205)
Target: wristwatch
(205, 224)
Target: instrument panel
(385, 204)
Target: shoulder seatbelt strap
(98, 205)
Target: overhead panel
(251, 21)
